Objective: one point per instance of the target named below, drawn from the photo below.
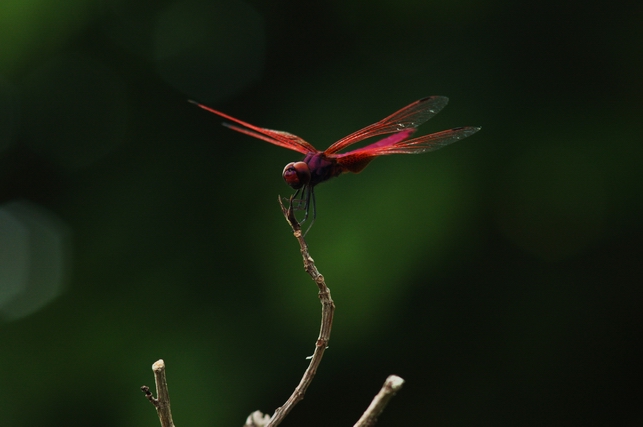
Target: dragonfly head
(296, 174)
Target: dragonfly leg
(295, 203)
(295, 199)
(311, 195)
(307, 194)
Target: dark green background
(500, 277)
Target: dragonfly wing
(411, 116)
(276, 137)
(357, 160)
(426, 143)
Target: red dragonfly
(319, 166)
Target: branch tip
(257, 419)
(391, 386)
(158, 366)
(395, 382)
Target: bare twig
(328, 309)
(391, 386)
(162, 402)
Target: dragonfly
(320, 166)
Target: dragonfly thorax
(321, 167)
(314, 169)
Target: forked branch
(257, 419)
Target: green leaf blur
(500, 276)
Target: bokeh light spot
(33, 258)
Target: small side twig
(162, 401)
(391, 386)
(328, 310)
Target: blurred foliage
(500, 276)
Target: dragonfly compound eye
(296, 174)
